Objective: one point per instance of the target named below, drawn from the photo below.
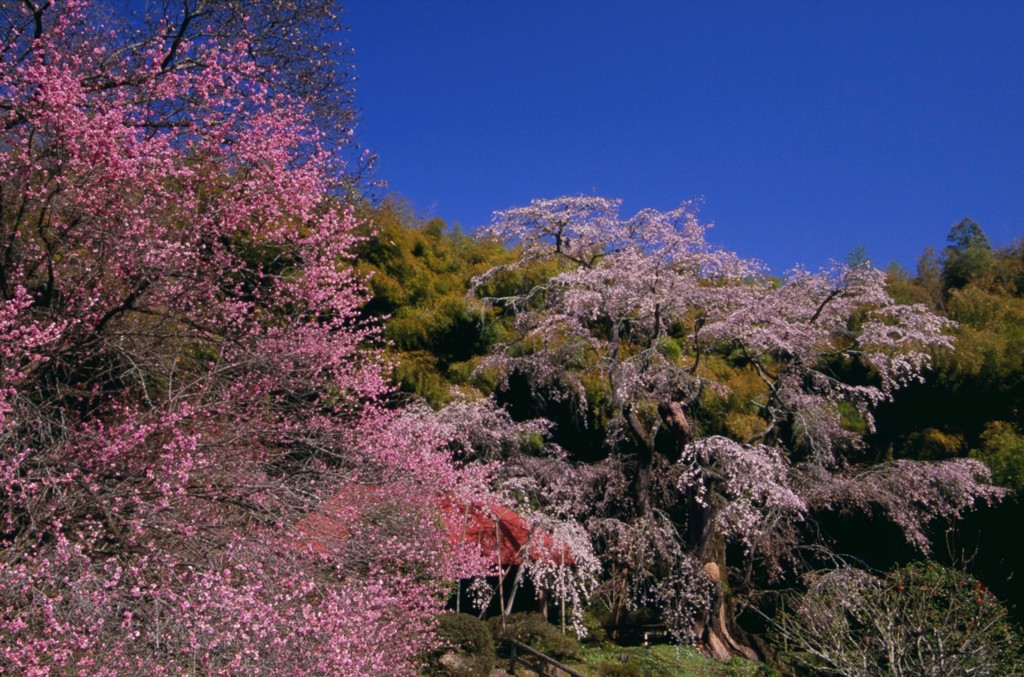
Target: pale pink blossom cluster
(647, 565)
(570, 570)
(629, 280)
(755, 482)
(794, 333)
(910, 493)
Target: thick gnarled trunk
(718, 632)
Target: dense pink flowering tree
(634, 331)
(184, 378)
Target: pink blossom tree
(184, 377)
(634, 330)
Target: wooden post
(462, 541)
(527, 649)
(515, 588)
(561, 584)
(501, 577)
(519, 574)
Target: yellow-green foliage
(598, 396)
(1002, 450)
(851, 418)
(991, 333)
(670, 348)
(906, 290)
(732, 409)
(978, 388)
(414, 261)
(934, 444)
(520, 280)
(419, 274)
(742, 426)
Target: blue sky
(806, 128)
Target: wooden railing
(518, 646)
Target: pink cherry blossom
(185, 376)
(641, 306)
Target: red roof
(485, 524)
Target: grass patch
(661, 660)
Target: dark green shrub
(921, 619)
(533, 629)
(466, 647)
(595, 623)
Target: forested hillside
(255, 421)
(544, 346)
(973, 402)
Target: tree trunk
(721, 636)
(718, 632)
(642, 485)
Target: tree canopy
(185, 371)
(628, 333)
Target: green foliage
(982, 381)
(419, 273)
(418, 372)
(906, 289)
(469, 638)
(967, 235)
(968, 257)
(670, 348)
(974, 401)
(991, 335)
(743, 426)
(520, 280)
(595, 619)
(1002, 450)
(933, 444)
(929, 277)
(533, 629)
(851, 418)
(858, 256)
(731, 410)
